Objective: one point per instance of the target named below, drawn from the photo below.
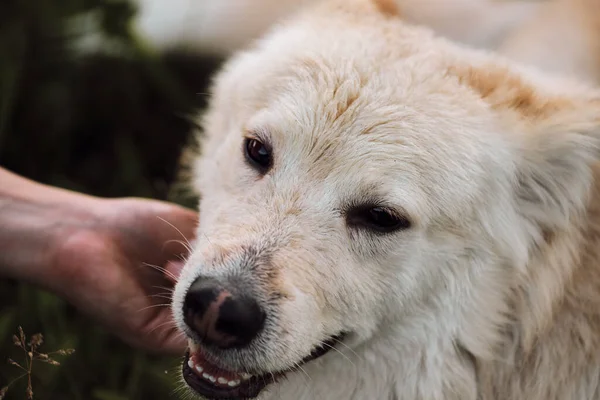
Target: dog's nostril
(241, 318)
(220, 318)
(199, 298)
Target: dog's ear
(557, 140)
(554, 168)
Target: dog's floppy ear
(557, 140)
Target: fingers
(159, 335)
(174, 344)
(186, 221)
(180, 226)
(175, 229)
(169, 341)
(182, 220)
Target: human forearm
(16, 188)
(31, 217)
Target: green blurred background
(111, 122)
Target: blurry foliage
(109, 123)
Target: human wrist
(33, 217)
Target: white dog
(387, 214)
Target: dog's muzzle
(219, 318)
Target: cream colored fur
(493, 293)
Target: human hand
(119, 264)
(114, 259)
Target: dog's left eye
(258, 154)
(378, 219)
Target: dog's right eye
(377, 219)
(258, 154)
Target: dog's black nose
(220, 318)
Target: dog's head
(359, 177)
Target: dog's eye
(378, 219)
(258, 154)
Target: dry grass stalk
(32, 354)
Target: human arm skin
(96, 253)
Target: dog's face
(354, 179)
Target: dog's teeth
(220, 379)
(209, 377)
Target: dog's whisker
(164, 295)
(178, 231)
(172, 323)
(160, 293)
(298, 366)
(340, 353)
(161, 296)
(153, 306)
(178, 333)
(185, 245)
(337, 341)
(168, 289)
(162, 270)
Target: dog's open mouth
(213, 382)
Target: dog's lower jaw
(382, 369)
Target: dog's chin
(213, 382)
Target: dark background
(104, 123)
